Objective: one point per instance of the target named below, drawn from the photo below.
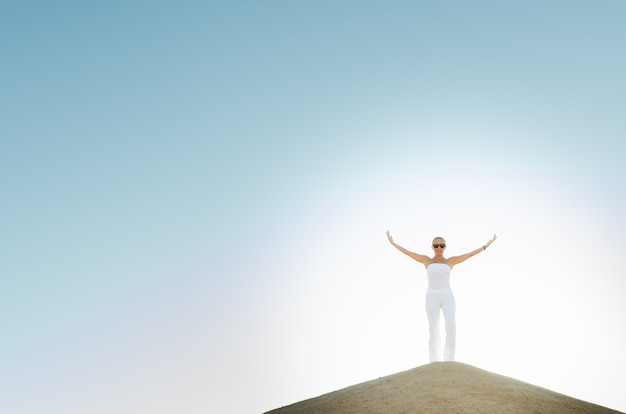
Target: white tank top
(438, 276)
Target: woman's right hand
(389, 237)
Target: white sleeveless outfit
(439, 298)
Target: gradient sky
(195, 197)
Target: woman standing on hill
(439, 296)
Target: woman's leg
(449, 314)
(433, 312)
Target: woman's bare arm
(460, 259)
(425, 260)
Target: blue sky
(195, 196)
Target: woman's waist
(439, 290)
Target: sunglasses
(443, 246)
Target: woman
(439, 296)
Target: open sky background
(194, 197)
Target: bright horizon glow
(195, 199)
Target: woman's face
(439, 245)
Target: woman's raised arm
(425, 260)
(455, 260)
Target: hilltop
(443, 387)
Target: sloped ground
(444, 387)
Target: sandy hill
(443, 387)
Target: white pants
(438, 300)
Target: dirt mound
(443, 387)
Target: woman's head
(439, 245)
